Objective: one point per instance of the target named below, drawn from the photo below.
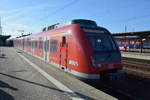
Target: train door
(63, 53)
(46, 49)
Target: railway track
(109, 89)
(129, 88)
(134, 86)
(136, 61)
(140, 68)
(118, 93)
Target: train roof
(84, 23)
(80, 22)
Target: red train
(79, 47)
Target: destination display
(93, 31)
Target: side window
(41, 45)
(63, 41)
(35, 44)
(47, 45)
(32, 44)
(53, 48)
(29, 45)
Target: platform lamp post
(141, 46)
(125, 38)
(1, 32)
(142, 40)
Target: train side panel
(69, 49)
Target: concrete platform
(136, 55)
(22, 78)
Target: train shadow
(72, 94)
(4, 95)
(5, 85)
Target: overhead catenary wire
(137, 17)
(58, 10)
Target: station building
(133, 41)
(3, 39)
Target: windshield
(101, 42)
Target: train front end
(105, 59)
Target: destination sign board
(93, 31)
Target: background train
(133, 44)
(79, 47)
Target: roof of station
(4, 37)
(138, 33)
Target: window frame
(54, 46)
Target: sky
(32, 15)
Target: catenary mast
(0, 27)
